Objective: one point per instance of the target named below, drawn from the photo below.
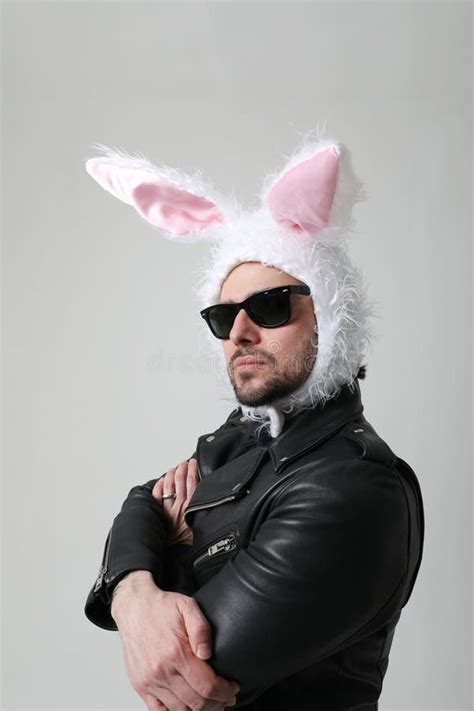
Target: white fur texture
(321, 261)
(339, 298)
(339, 294)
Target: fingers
(205, 683)
(179, 487)
(167, 699)
(200, 639)
(175, 692)
(180, 692)
(192, 479)
(170, 676)
(197, 627)
(181, 480)
(168, 485)
(157, 490)
(154, 704)
(165, 485)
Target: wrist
(132, 583)
(135, 577)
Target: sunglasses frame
(247, 305)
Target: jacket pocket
(214, 555)
(226, 484)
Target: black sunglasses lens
(265, 309)
(221, 319)
(271, 309)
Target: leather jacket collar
(311, 426)
(303, 430)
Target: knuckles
(174, 652)
(207, 689)
(158, 671)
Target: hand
(160, 633)
(181, 480)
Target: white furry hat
(300, 227)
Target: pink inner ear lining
(173, 209)
(313, 182)
(294, 225)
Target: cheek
(282, 342)
(307, 317)
(295, 337)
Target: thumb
(198, 630)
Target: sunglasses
(270, 308)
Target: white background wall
(89, 409)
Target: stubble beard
(251, 392)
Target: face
(283, 356)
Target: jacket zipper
(103, 567)
(212, 503)
(223, 545)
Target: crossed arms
(320, 570)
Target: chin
(252, 397)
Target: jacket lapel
(228, 482)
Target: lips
(248, 361)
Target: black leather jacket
(305, 549)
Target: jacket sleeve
(137, 540)
(322, 568)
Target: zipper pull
(104, 564)
(226, 544)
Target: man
(284, 549)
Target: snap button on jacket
(305, 550)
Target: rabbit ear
(303, 195)
(174, 203)
(316, 189)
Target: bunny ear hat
(300, 227)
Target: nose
(244, 330)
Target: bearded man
(268, 570)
